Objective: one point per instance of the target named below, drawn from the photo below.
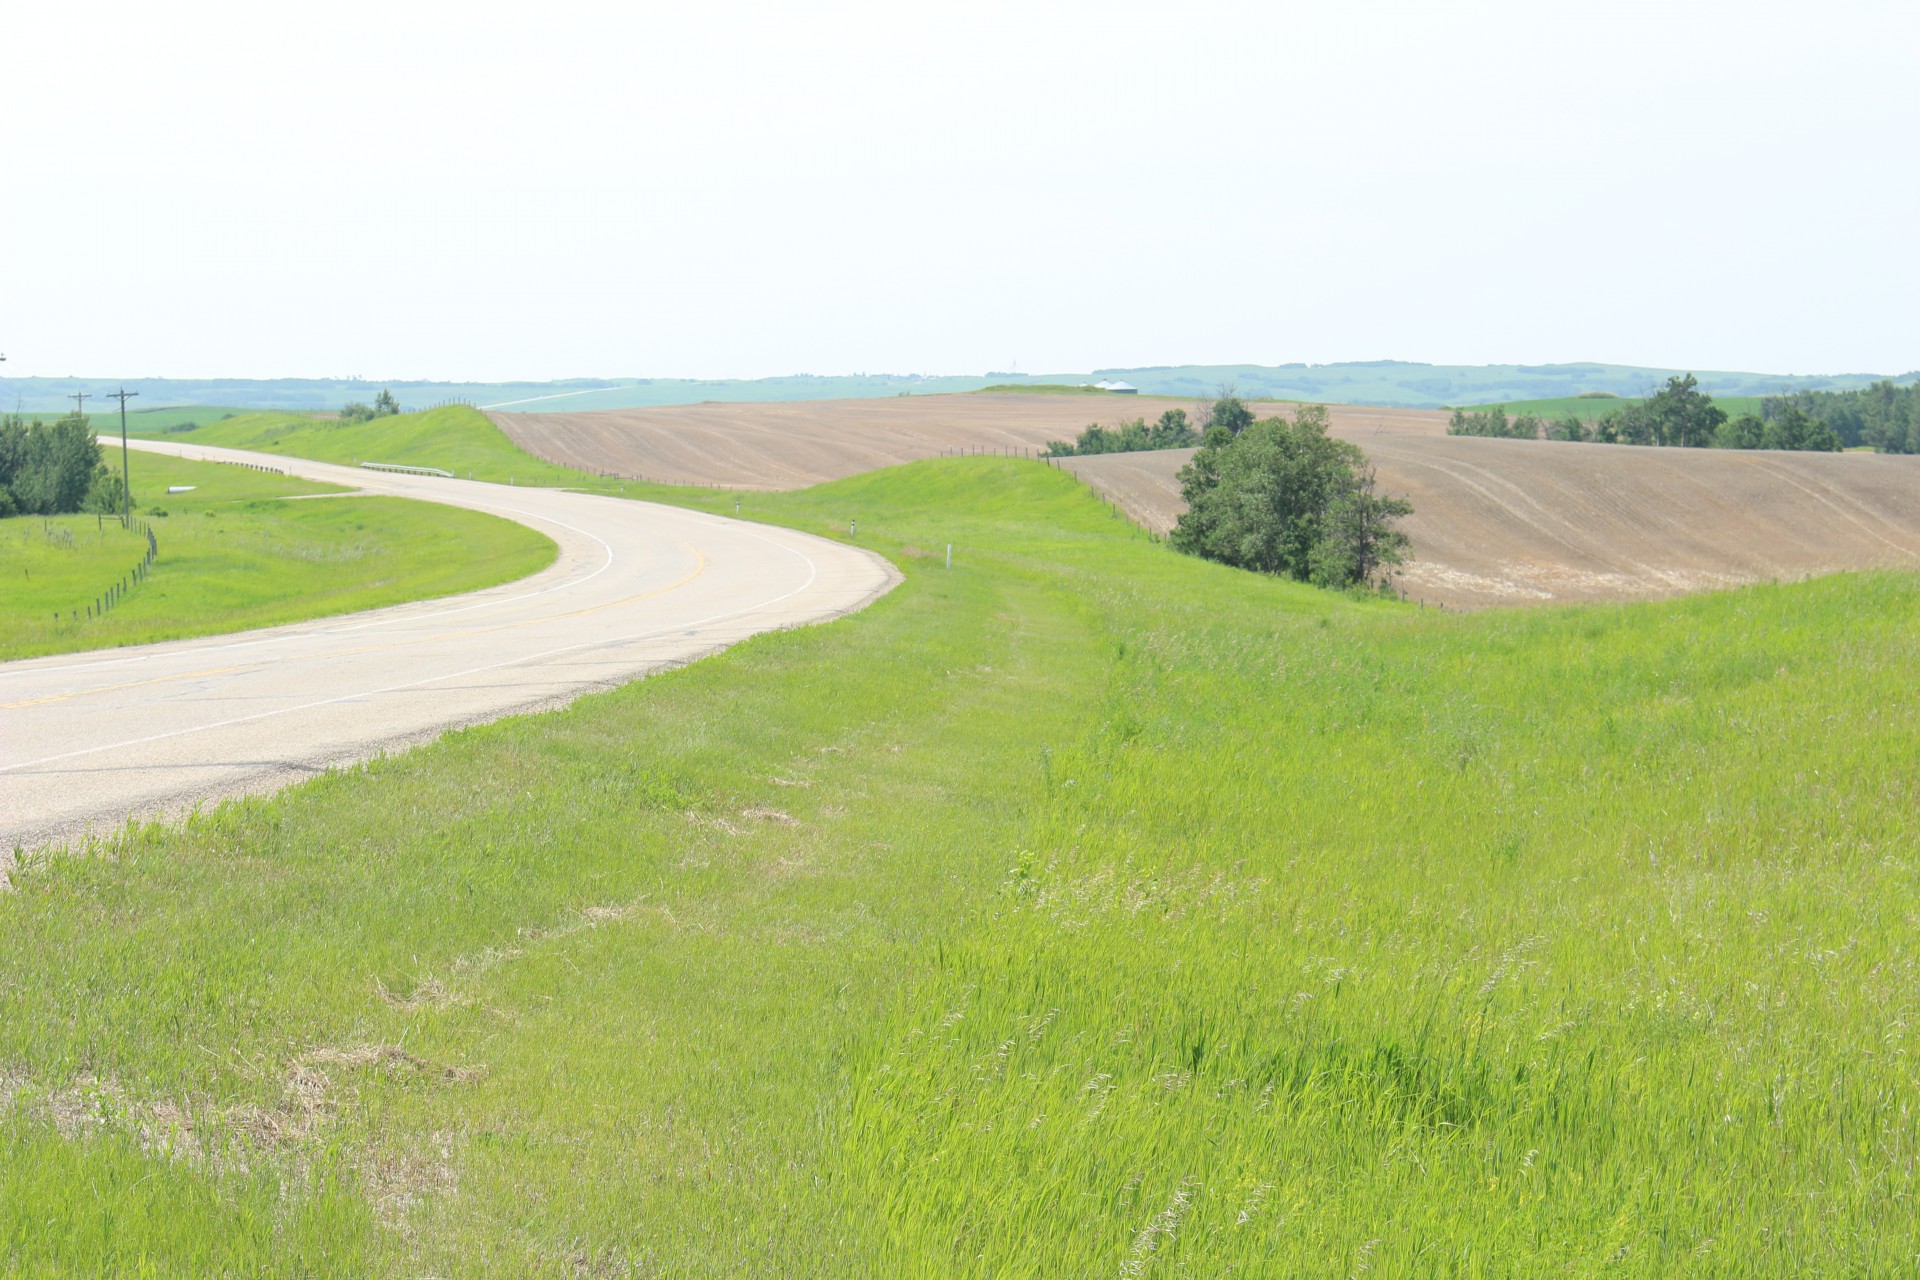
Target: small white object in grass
(182, 488)
(949, 555)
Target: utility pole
(79, 399)
(126, 485)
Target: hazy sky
(491, 191)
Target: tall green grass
(1082, 910)
(242, 549)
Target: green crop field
(159, 422)
(1083, 910)
(1042, 389)
(234, 554)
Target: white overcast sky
(483, 191)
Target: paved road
(88, 740)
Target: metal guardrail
(405, 470)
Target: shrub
(1281, 497)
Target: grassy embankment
(456, 439)
(1084, 910)
(235, 553)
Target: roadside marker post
(949, 555)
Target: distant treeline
(1173, 431)
(52, 470)
(1681, 415)
(1883, 416)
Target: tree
(1743, 432)
(384, 405)
(1281, 497)
(1228, 413)
(49, 470)
(1171, 432)
(1793, 429)
(105, 495)
(1884, 415)
(1494, 422)
(1632, 425)
(1570, 428)
(1682, 414)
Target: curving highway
(90, 740)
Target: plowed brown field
(1496, 522)
(1534, 522)
(792, 445)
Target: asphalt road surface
(90, 740)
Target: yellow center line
(700, 567)
(131, 684)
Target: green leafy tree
(1744, 432)
(105, 493)
(1682, 414)
(1494, 422)
(13, 450)
(1570, 428)
(1282, 497)
(1884, 416)
(1795, 429)
(1633, 425)
(1228, 413)
(384, 405)
(48, 470)
(1172, 431)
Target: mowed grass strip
(1082, 910)
(244, 549)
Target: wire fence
(105, 602)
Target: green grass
(1084, 910)
(456, 439)
(160, 422)
(1592, 409)
(235, 554)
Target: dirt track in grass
(1496, 522)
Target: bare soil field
(796, 444)
(1501, 522)
(1496, 522)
